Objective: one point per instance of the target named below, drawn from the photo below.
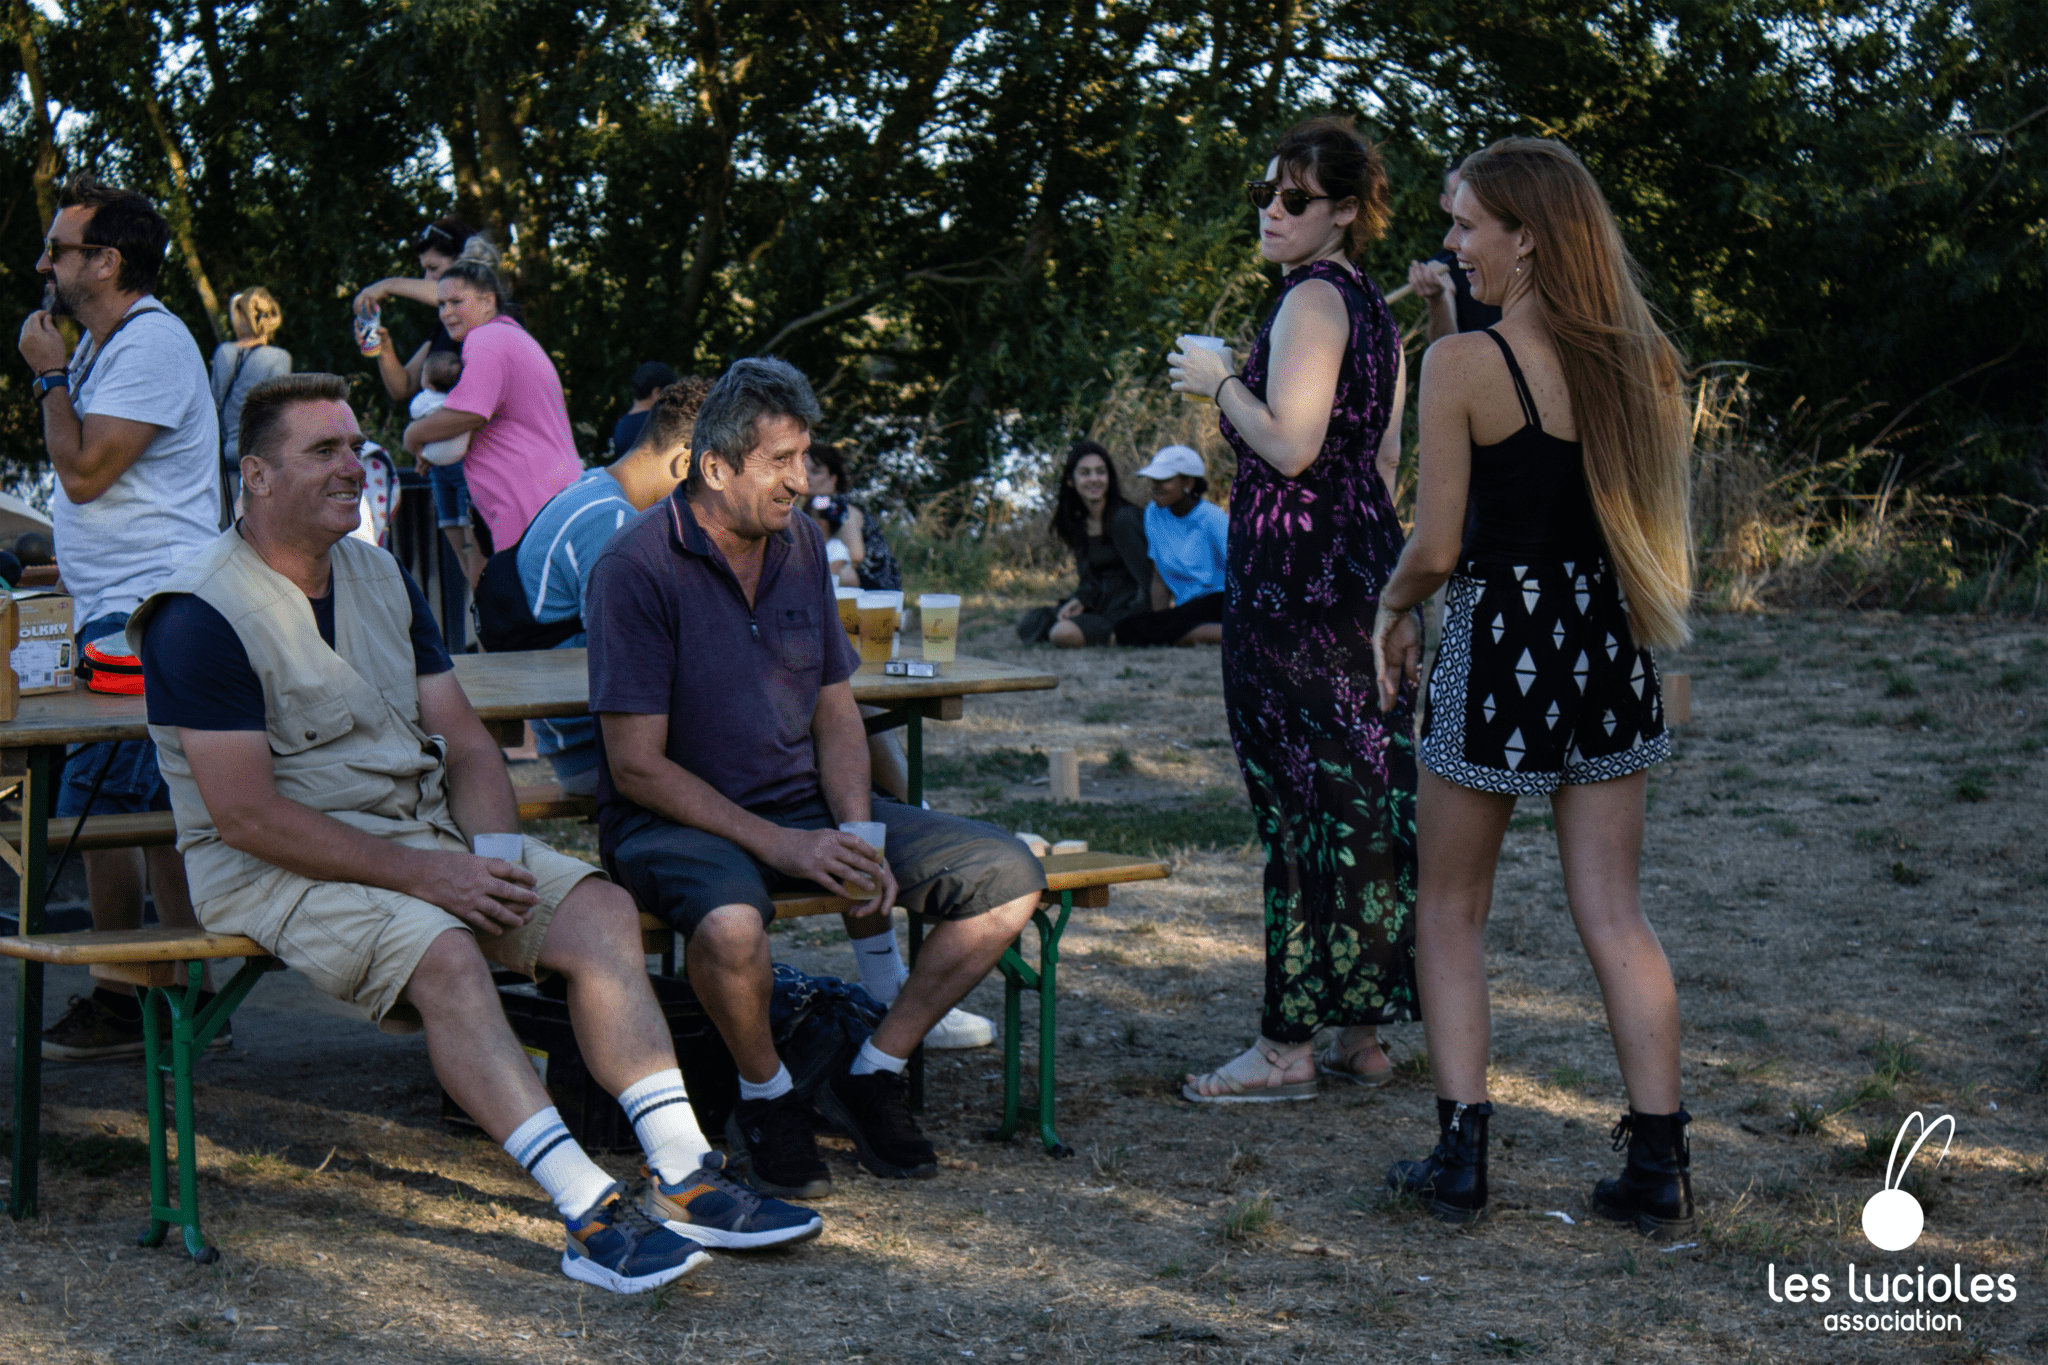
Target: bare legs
(1458, 833)
(594, 940)
(730, 970)
(1599, 841)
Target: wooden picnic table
(506, 689)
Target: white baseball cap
(1172, 460)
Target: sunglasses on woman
(1296, 202)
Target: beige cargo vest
(343, 722)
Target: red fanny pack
(109, 672)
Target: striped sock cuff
(536, 1137)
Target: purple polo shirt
(671, 634)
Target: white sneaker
(960, 1030)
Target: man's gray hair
(751, 389)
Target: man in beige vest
(339, 802)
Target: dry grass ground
(1846, 864)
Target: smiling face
(758, 499)
(1091, 479)
(1318, 231)
(310, 491)
(1487, 252)
(464, 306)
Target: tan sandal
(1334, 1060)
(1236, 1091)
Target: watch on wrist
(55, 380)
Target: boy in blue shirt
(1185, 535)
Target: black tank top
(1528, 500)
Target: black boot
(1654, 1190)
(1453, 1178)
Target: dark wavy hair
(124, 220)
(1069, 513)
(1330, 152)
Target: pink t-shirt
(525, 453)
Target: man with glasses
(129, 422)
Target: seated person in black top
(1111, 565)
(648, 382)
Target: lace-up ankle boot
(1654, 1190)
(1452, 1179)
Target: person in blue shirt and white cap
(1185, 535)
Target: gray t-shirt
(119, 548)
(236, 370)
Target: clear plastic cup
(873, 833)
(849, 612)
(878, 612)
(1212, 344)
(939, 616)
(510, 847)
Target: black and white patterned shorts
(1538, 682)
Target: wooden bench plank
(157, 944)
(547, 801)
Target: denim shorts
(451, 494)
(129, 783)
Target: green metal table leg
(191, 1029)
(1019, 977)
(913, 761)
(28, 983)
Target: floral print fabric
(1331, 777)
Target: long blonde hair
(255, 315)
(1622, 372)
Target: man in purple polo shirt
(730, 749)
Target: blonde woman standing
(239, 366)
(1563, 430)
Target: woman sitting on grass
(1563, 431)
(1107, 536)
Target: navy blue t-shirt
(199, 673)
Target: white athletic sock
(882, 972)
(659, 1110)
(873, 1059)
(543, 1146)
(774, 1088)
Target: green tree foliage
(964, 217)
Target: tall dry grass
(1783, 522)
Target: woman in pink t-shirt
(522, 452)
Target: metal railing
(426, 554)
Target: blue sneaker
(711, 1207)
(616, 1246)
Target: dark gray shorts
(946, 868)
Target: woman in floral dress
(1315, 420)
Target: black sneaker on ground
(780, 1150)
(88, 1032)
(874, 1110)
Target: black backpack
(503, 616)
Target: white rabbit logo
(1891, 1218)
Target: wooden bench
(164, 964)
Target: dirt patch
(1845, 863)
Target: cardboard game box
(42, 657)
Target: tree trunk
(181, 199)
(44, 176)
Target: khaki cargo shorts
(361, 944)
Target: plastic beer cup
(877, 627)
(939, 613)
(1212, 344)
(849, 612)
(873, 833)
